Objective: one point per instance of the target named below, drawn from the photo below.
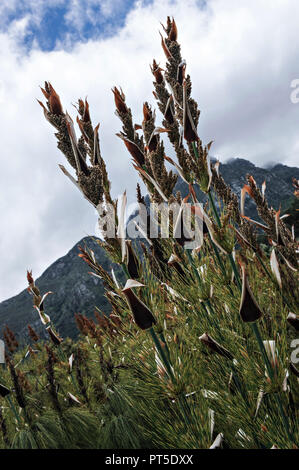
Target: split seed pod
(270, 347)
(134, 150)
(293, 320)
(156, 71)
(54, 338)
(217, 444)
(175, 261)
(190, 132)
(132, 262)
(173, 33)
(53, 99)
(119, 99)
(249, 308)
(142, 315)
(214, 346)
(4, 391)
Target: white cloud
(242, 57)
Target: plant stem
(257, 334)
(191, 261)
(195, 150)
(214, 209)
(237, 381)
(164, 341)
(234, 268)
(217, 256)
(12, 406)
(125, 270)
(161, 352)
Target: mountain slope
(278, 180)
(74, 291)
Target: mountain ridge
(74, 291)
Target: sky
(242, 57)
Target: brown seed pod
(54, 337)
(119, 99)
(249, 309)
(132, 261)
(141, 313)
(214, 346)
(134, 150)
(293, 320)
(4, 391)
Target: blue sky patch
(66, 22)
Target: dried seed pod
(72, 399)
(132, 261)
(293, 320)
(181, 72)
(174, 261)
(53, 99)
(270, 348)
(4, 391)
(156, 71)
(141, 313)
(44, 318)
(190, 132)
(173, 33)
(86, 115)
(214, 346)
(134, 150)
(169, 113)
(249, 309)
(246, 189)
(147, 112)
(217, 444)
(54, 337)
(30, 278)
(119, 99)
(165, 48)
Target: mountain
(278, 179)
(75, 291)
